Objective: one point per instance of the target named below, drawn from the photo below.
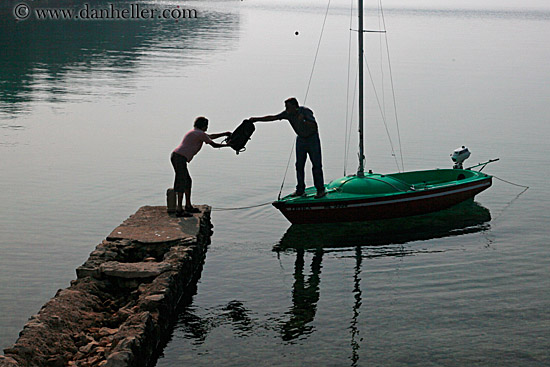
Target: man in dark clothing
(307, 143)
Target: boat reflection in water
(366, 240)
(309, 244)
(467, 217)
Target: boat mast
(361, 169)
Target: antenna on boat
(361, 169)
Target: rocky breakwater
(121, 308)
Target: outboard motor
(459, 156)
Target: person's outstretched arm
(264, 118)
(219, 135)
(217, 145)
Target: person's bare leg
(180, 202)
(188, 198)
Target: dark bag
(241, 136)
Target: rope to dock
(242, 207)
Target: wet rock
(124, 299)
(104, 331)
(88, 347)
(82, 339)
(56, 361)
(119, 359)
(8, 362)
(133, 270)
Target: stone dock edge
(121, 309)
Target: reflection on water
(234, 314)
(308, 245)
(244, 322)
(354, 325)
(468, 217)
(360, 296)
(305, 295)
(69, 60)
(370, 239)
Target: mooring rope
(525, 188)
(511, 183)
(242, 207)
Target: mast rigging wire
(317, 52)
(351, 117)
(381, 104)
(392, 86)
(307, 91)
(348, 119)
(381, 112)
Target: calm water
(89, 112)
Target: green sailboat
(369, 196)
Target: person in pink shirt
(183, 154)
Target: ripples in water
(79, 61)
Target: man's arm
(219, 135)
(208, 140)
(216, 145)
(265, 118)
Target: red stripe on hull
(404, 205)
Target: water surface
(89, 112)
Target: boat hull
(386, 207)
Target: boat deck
(379, 185)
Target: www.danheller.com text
(23, 11)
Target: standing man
(307, 143)
(183, 154)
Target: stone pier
(122, 306)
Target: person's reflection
(305, 295)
